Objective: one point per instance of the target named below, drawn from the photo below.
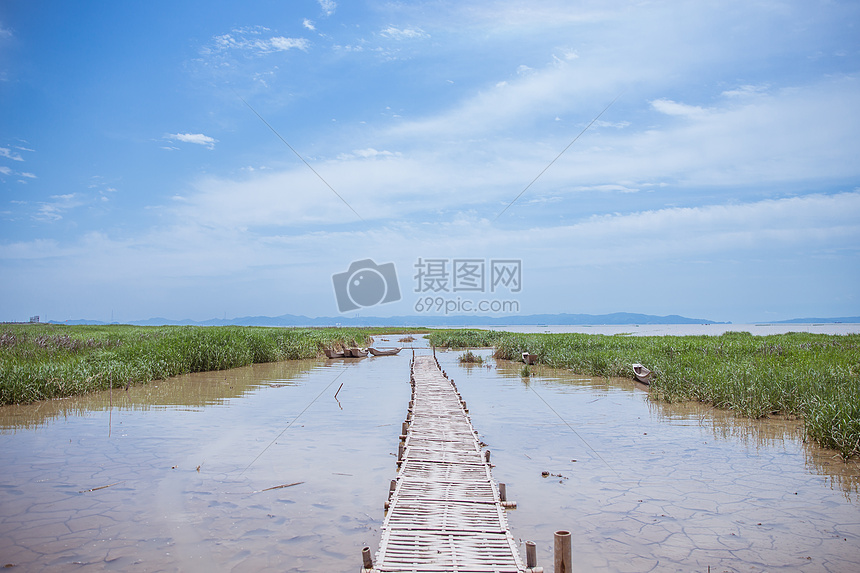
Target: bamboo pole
(562, 552)
(531, 555)
(366, 559)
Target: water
(187, 462)
(682, 329)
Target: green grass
(811, 376)
(470, 357)
(38, 362)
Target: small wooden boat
(388, 352)
(355, 352)
(332, 353)
(641, 374)
(529, 358)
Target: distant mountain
(844, 319)
(616, 318)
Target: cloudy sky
(209, 159)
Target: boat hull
(391, 352)
(641, 374)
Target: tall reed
(50, 361)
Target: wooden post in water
(367, 562)
(562, 553)
(531, 555)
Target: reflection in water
(193, 390)
(767, 433)
(193, 464)
(724, 425)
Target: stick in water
(279, 486)
(101, 487)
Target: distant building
(34, 318)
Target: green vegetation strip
(38, 362)
(815, 377)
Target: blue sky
(723, 183)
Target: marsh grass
(470, 357)
(815, 377)
(38, 362)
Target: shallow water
(654, 487)
(681, 329)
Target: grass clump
(815, 377)
(39, 362)
(470, 357)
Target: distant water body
(678, 329)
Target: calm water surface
(189, 462)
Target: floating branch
(101, 487)
(279, 486)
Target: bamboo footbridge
(445, 512)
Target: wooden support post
(503, 492)
(404, 428)
(367, 562)
(562, 552)
(487, 456)
(531, 555)
(400, 451)
(392, 488)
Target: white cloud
(368, 153)
(196, 138)
(9, 154)
(281, 44)
(309, 25)
(5, 170)
(245, 40)
(582, 259)
(54, 210)
(742, 142)
(28, 175)
(746, 91)
(670, 107)
(404, 33)
(328, 6)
